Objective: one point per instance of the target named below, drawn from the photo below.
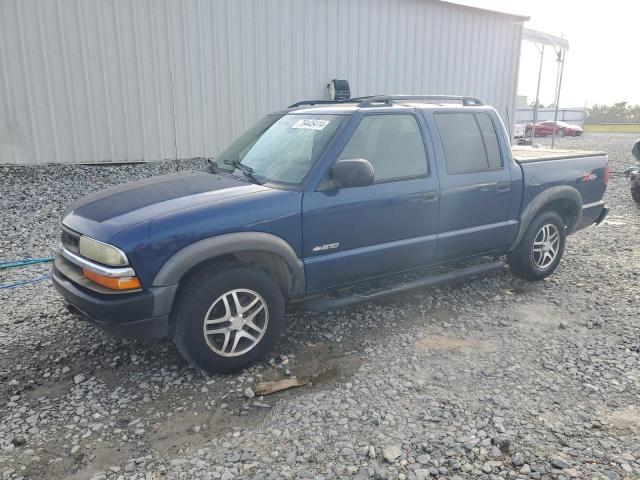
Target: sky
(603, 61)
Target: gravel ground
(493, 378)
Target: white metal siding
(127, 80)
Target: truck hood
(104, 214)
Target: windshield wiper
(245, 169)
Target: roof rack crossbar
(389, 99)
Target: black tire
(521, 259)
(199, 293)
(560, 132)
(635, 194)
(527, 132)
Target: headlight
(102, 252)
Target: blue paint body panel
(344, 235)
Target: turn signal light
(112, 283)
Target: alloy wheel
(546, 246)
(236, 322)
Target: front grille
(70, 240)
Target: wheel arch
(267, 251)
(563, 199)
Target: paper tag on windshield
(310, 124)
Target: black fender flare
(542, 200)
(231, 243)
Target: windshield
(281, 149)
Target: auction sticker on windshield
(311, 124)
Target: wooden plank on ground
(267, 388)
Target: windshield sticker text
(310, 124)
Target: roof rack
(328, 102)
(313, 102)
(372, 100)
(389, 99)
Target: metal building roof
(471, 6)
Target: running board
(325, 304)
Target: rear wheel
(561, 132)
(635, 194)
(227, 317)
(541, 248)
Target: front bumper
(142, 314)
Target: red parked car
(559, 129)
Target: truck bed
(525, 154)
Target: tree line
(620, 112)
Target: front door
(475, 186)
(350, 234)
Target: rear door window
(469, 142)
(494, 156)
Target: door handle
(430, 196)
(503, 187)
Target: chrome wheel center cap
(237, 323)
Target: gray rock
(248, 392)
(559, 463)
(422, 473)
(517, 460)
(372, 452)
(391, 453)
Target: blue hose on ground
(24, 263)
(24, 282)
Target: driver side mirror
(636, 150)
(347, 173)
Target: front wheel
(635, 194)
(540, 250)
(227, 317)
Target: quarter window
(392, 143)
(469, 141)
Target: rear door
(475, 185)
(350, 234)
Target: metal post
(555, 117)
(535, 107)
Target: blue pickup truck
(312, 199)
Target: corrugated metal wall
(127, 80)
